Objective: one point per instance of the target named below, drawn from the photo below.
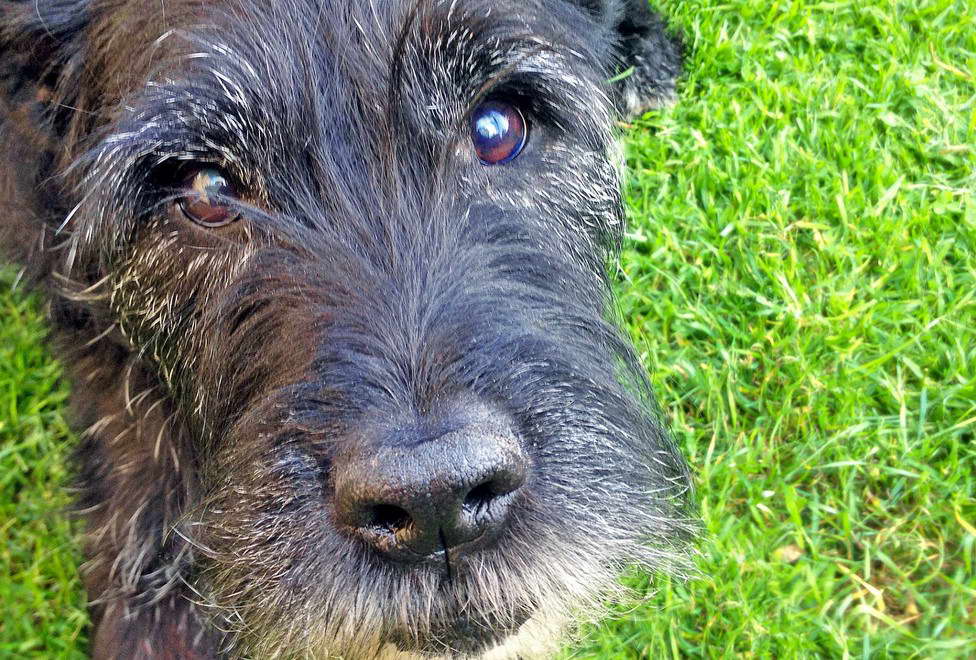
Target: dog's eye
(498, 132)
(206, 202)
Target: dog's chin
(462, 636)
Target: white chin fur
(536, 639)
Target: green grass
(41, 602)
(801, 279)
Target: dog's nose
(444, 484)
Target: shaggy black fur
(265, 405)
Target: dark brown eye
(498, 132)
(207, 198)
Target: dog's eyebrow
(171, 122)
(517, 64)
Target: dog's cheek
(265, 531)
(163, 283)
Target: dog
(330, 280)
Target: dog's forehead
(312, 89)
(328, 42)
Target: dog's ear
(40, 47)
(646, 58)
(40, 55)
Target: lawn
(800, 276)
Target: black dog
(331, 282)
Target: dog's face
(365, 250)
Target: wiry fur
(377, 270)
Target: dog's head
(364, 247)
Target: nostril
(480, 496)
(499, 485)
(387, 518)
